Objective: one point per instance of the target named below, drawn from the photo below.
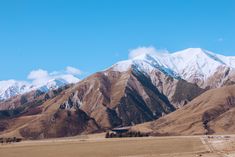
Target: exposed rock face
(211, 113)
(119, 99)
(126, 98)
(178, 91)
(224, 76)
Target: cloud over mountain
(73, 71)
(146, 50)
(40, 76)
(39, 79)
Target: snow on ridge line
(12, 88)
(190, 52)
(185, 63)
(198, 61)
(145, 63)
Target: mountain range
(11, 88)
(149, 87)
(194, 65)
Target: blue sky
(93, 34)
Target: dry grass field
(97, 146)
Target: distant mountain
(12, 88)
(55, 84)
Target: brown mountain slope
(210, 113)
(126, 98)
(102, 101)
(27, 104)
(51, 121)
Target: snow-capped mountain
(12, 88)
(195, 65)
(55, 84)
(196, 62)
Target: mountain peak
(192, 52)
(196, 49)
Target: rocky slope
(168, 82)
(210, 113)
(102, 101)
(41, 117)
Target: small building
(124, 132)
(121, 130)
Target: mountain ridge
(194, 65)
(11, 88)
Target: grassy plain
(96, 146)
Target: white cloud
(40, 77)
(37, 74)
(70, 78)
(145, 50)
(73, 71)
